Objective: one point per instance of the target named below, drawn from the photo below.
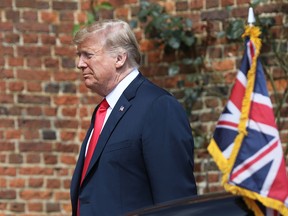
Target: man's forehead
(89, 44)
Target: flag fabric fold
(246, 145)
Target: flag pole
(251, 17)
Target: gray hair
(116, 36)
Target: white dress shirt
(114, 96)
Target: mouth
(86, 75)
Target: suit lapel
(121, 107)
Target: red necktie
(99, 120)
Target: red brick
(11, 38)
(50, 159)
(66, 100)
(30, 38)
(223, 65)
(67, 159)
(53, 183)
(34, 51)
(64, 5)
(196, 4)
(34, 86)
(33, 158)
(35, 206)
(33, 99)
(6, 26)
(5, 3)
(12, 134)
(67, 135)
(122, 13)
(6, 98)
(28, 4)
(62, 195)
(212, 3)
(7, 171)
(35, 147)
(7, 194)
(16, 86)
(67, 39)
(7, 123)
(30, 15)
(33, 62)
(28, 194)
(33, 75)
(17, 183)
(49, 16)
(36, 171)
(16, 62)
(182, 6)
(65, 51)
(48, 39)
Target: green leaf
(173, 70)
(189, 41)
(76, 28)
(189, 23)
(174, 43)
(187, 61)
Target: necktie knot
(104, 105)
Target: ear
(121, 59)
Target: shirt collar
(113, 96)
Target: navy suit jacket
(144, 155)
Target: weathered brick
(7, 171)
(6, 26)
(5, 3)
(223, 65)
(33, 75)
(64, 5)
(66, 100)
(50, 159)
(53, 183)
(12, 15)
(34, 147)
(15, 62)
(33, 99)
(30, 15)
(33, 51)
(49, 135)
(68, 159)
(66, 124)
(7, 194)
(17, 183)
(30, 38)
(35, 182)
(15, 159)
(33, 158)
(212, 3)
(29, 194)
(35, 206)
(181, 6)
(34, 111)
(53, 207)
(16, 86)
(49, 16)
(68, 63)
(36, 171)
(28, 4)
(214, 15)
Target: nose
(81, 63)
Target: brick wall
(45, 109)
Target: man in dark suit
(144, 154)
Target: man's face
(97, 66)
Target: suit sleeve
(168, 150)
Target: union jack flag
(246, 144)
